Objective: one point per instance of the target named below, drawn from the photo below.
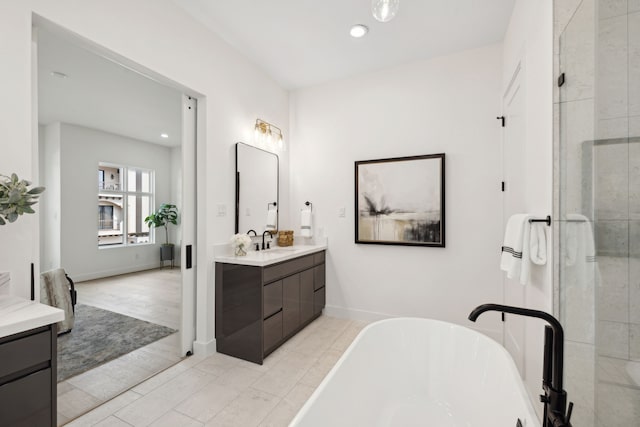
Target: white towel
(515, 259)
(580, 251)
(5, 279)
(272, 218)
(306, 229)
(538, 243)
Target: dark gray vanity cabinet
(259, 308)
(28, 378)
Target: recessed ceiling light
(164, 135)
(59, 75)
(358, 30)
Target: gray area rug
(100, 336)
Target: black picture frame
(401, 201)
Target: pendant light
(384, 10)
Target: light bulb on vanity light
(384, 10)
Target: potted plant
(165, 215)
(16, 198)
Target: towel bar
(547, 220)
(308, 203)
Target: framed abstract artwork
(400, 201)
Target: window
(125, 198)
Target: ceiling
(298, 42)
(303, 42)
(100, 94)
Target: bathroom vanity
(266, 297)
(28, 376)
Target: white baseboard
(372, 316)
(204, 348)
(113, 272)
(353, 314)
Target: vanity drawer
(319, 298)
(272, 298)
(25, 352)
(27, 401)
(272, 331)
(287, 268)
(318, 277)
(318, 258)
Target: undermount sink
(281, 249)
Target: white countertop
(19, 315)
(267, 256)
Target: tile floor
(224, 391)
(153, 296)
(617, 392)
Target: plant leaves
(14, 196)
(36, 190)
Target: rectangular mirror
(257, 178)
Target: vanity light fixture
(358, 31)
(268, 135)
(384, 10)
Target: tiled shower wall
(597, 177)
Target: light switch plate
(341, 212)
(222, 210)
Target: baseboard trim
(113, 272)
(372, 316)
(353, 314)
(204, 348)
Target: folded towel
(5, 279)
(305, 223)
(516, 241)
(538, 243)
(580, 251)
(580, 245)
(272, 219)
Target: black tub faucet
(554, 398)
(269, 242)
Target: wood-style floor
(153, 296)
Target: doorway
(94, 111)
(513, 160)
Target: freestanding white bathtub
(420, 372)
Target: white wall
(444, 105)
(49, 150)
(80, 151)
(161, 37)
(175, 233)
(529, 39)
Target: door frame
(198, 207)
(515, 82)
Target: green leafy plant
(165, 215)
(16, 198)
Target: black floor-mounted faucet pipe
(555, 398)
